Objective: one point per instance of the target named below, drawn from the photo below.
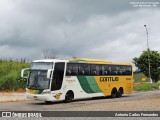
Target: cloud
(84, 28)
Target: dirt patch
(9, 92)
(20, 90)
(12, 96)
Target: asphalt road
(141, 101)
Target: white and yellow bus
(52, 79)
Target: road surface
(141, 101)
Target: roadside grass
(146, 86)
(142, 83)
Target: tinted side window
(95, 70)
(114, 70)
(128, 70)
(84, 69)
(72, 69)
(121, 70)
(106, 70)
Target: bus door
(57, 76)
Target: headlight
(46, 92)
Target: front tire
(69, 97)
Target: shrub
(8, 82)
(10, 75)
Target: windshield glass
(38, 80)
(41, 65)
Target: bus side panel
(107, 83)
(93, 86)
(81, 87)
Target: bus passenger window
(95, 70)
(121, 70)
(69, 72)
(128, 70)
(106, 70)
(75, 69)
(93, 73)
(69, 68)
(72, 69)
(84, 69)
(114, 70)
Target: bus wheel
(119, 93)
(69, 97)
(114, 93)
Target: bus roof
(83, 60)
(96, 61)
(50, 60)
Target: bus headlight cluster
(46, 92)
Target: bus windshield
(38, 80)
(41, 65)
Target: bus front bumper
(41, 97)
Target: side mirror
(22, 73)
(49, 73)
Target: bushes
(8, 82)
(10, 75)
(138, 77)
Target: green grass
(147, 86)
(138, 77)
(144, 85)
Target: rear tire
(114, 93)
(119, 93)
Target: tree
(142, 63)
(49, 53)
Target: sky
(100, 29)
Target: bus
(76, 78)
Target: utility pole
(149, 64)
